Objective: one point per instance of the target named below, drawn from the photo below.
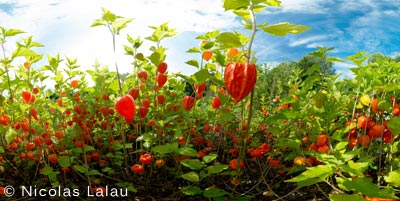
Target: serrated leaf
(284, 28)
(194, 164)
(393, 178)
(192, 190)
(228, 40)
(313, 175)
(191, 176)
(64, 161)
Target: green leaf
(23, 52)
(120, 24)
(384, 105)
(216, 169)
(193, 62)
(117, 146)
(319, 99)
(355, 169)
(194, 164)
(47, 170)
(284, 28)
(393, 178)
(98, 22)
(13, 32)
(201, 76)
(155, 58)
(347, 197)
(213, 192)
(94, 172)
(10, 135)
(1, 150)
(313, 175)
(226, 117)
(191, 176)
(234, 4)
(166, 148)
(193, 50)
(209, 158)
(394, 125)
(64, 161)
(366, 187)
(89, 148)
(80, 168)
(187, 151)
(192, 190)
(228, 40)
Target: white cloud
(305, 6)
(64, 26)
(307, 40)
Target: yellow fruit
(365, 99)
(299, 160)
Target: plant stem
(115, 60)
(8, 75)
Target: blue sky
(347, 25)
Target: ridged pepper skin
(240, 79)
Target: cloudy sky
(63, 26)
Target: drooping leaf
(284, 28)
(194, 164)
(313, 175)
